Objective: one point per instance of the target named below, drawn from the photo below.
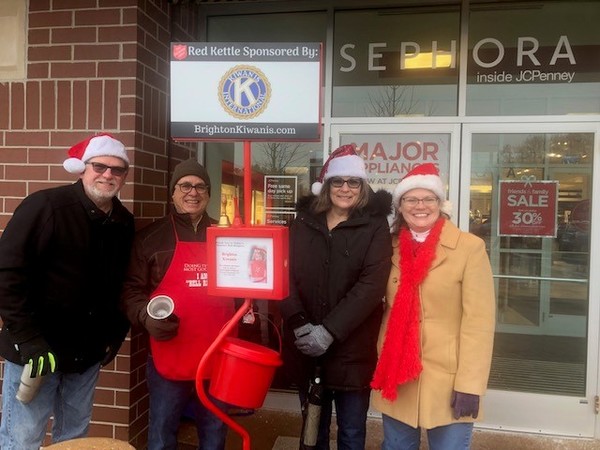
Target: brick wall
(155, 156)
(97, 65)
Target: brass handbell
(224, 219)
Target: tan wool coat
(457, 331)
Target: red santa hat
(343, 162)
(101, 144)
(424, 176)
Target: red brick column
(97, 68)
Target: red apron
(201, 316)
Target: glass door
(530, 190)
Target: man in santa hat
(63, 256)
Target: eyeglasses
(414, 201)
(117, 171)
(353, 183)
(186, 188)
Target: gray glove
(303, 330)
(316, 342)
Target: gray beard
(100, 198)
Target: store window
(293, 159)
(275, 27)
(272, 27)
(537, 232)
(13, 27)
(288, 166)
(396, 62)
(536, 58)
(282, 172)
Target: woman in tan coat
(437, 334)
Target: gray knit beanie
(189, 167)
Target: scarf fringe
(400, 359)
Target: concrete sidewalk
(275, 430)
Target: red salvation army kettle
(243, 372)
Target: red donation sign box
(248, 262)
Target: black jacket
(62, 263)
(151, 256)
(338, 279)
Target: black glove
(111, 353)
(163, 329)
(37, 353)
(464, 405)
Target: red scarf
(400, 359)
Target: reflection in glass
(569, 298)
(301, 159)
(516, 61)
(403, 62)
(518, 302)
(390, 156)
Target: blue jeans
(168, 400)
(351, 409)
(69, 396)
(399, 436)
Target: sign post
(245, 91)
(242, 92)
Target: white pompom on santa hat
(343, 162)
(102, 144)
(424, 176)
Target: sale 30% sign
(528, 208)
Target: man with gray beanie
(169, 258)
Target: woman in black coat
(340, 251)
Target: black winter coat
(338, 279)
(62, 263)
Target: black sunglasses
(117, 171)
(353, 183)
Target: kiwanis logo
(244, 92)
